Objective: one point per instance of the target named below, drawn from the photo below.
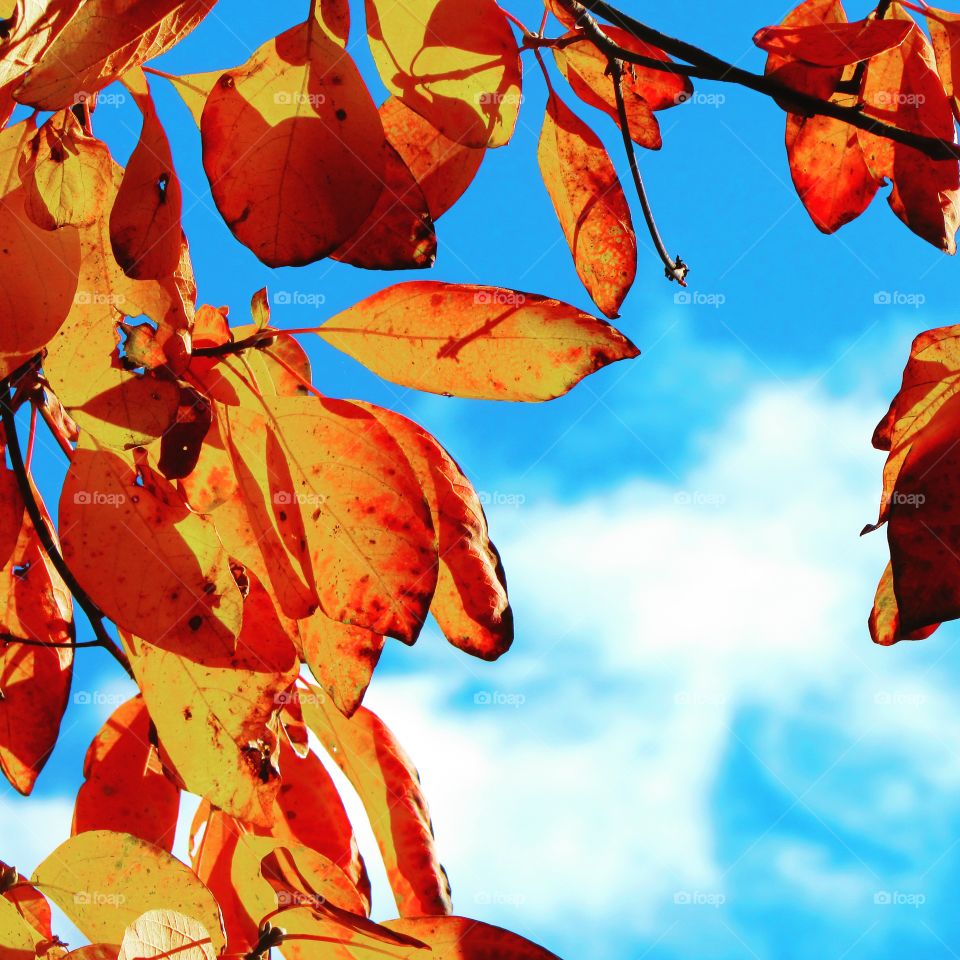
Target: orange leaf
(104, 40)
(901, 87)
(326, 484)
(262, 142)
(124, 787)
(217, 715)
(130, 522)
(34, 605)
(29, 902)
(470, 604)
(833, 44)
(398, 234)
(387, 782)
(455, 64)
(341, 657)
(944, 28)
(590, 205)
(145, 231)
(470, 341)
(442, 167)
(459, 938)
(67, 174)
(885, 615)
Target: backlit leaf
(590, 205)
(125, 788)
(442, 167)
(266, 124)
(833, 44)
(104, 40)
(944, 28)
(471, 341)
(145, 231)
(166, 933)
(470, 604)
(388, 784)
(128, 519)
(217, 717)
(455, 64)
(103, 881)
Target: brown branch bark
(706, 66)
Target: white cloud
(650, 619)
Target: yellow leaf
(470, 341)
(103, 881)
(456, 64)
(166, 933)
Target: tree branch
(706, 66)
(93, 613)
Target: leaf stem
(44, 533)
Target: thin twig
(93, 613)
(674, 269)
(709, 67)
(256, 341)
(27, 642)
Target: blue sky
(693, 748)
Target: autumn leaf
(341, 657)
(103, 881)
(217, 715)
(328, 487)
(39, 269)
(471, 341)
(442, 167)
(833, 44)
(585, 68)
(261, 142)
(455, 64)
(885, 616)
(104, 40)
(124, 518)
(166, 933)
(145, 232)
(35, 606)
(470, 604)
(125, 788)
(901, 87)
(18, 939)
(388, 784)
(29, 902)
(459, 938)
(66, 174)
(590, 205)
(398, 234)
(944, 28)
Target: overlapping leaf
(590, 205)
(472, 341)
(389, 787)
(103, 881)
(129, 520)
(455, 64)
(216, 714)
(125, 788)
(163, 934)
(264, 127)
